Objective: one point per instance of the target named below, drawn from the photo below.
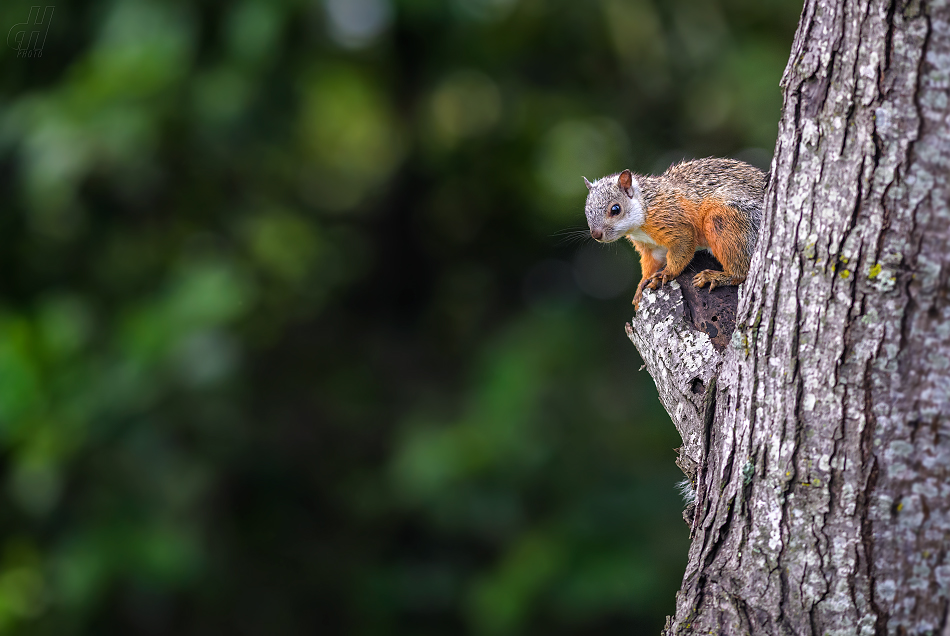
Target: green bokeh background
(292, 340)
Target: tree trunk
(818, 440)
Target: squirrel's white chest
(658, 251)
(638, 235)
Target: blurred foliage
(289, 341)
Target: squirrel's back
(735, 182)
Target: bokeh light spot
(357, 23)
(350, 131)
(466, 104)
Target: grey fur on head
(615, 206)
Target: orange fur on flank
(682, 226)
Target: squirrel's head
(614, 206)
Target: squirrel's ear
(625, 183)
(587, 183)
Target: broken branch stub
(681, 332)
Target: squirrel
(712, 204)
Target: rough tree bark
(818, 439)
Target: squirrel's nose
(597, 234)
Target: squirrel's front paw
(657, 280)
(639, 295)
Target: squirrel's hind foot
(715, 279)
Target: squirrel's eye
(614, 210)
